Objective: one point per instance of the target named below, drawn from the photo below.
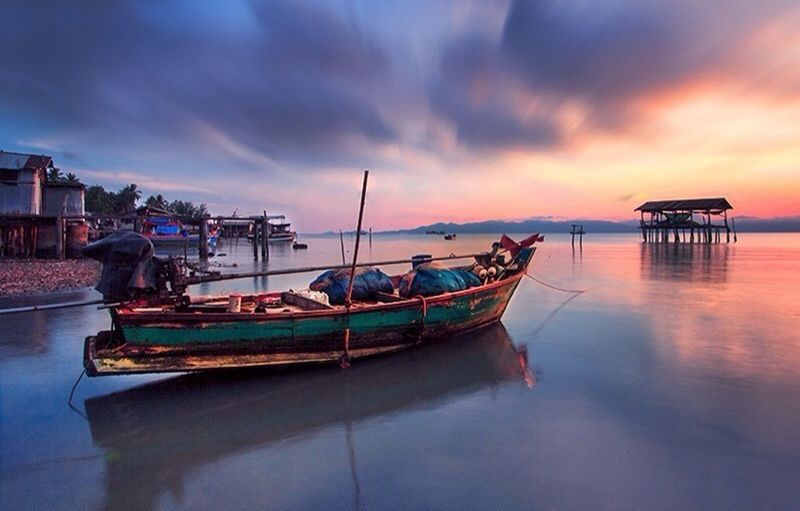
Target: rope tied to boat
(555, 288)
(344, 359)
(72, 394)
(423, 326)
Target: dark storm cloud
(466, 95)
(599, 52)
(605, 57)
(491, 123)
(289, 81)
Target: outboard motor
(129, 268)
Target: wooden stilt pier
(680, 219)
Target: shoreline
(40, 278)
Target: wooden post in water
(255, 240)
(370, 238)
(345, 361)
(727, 228)
(733, 223)
(341, 242)
(203, 248)
(266, 237)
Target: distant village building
(37, 217)
(22, 181)
(64, 199)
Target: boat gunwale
(128, 315)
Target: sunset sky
(463, 110)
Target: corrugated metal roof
(19, 161)
(715, 204)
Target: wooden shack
(64, 199)
(36, 217)
(686, 220)
(22, 179)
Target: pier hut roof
(19, 161)
(713, 204)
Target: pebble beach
(25, 277)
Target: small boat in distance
(164, 232)
(280, 230)
(173, 332)
(449, 236)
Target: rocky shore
(35, 276)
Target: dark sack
(366, 284)
(129, 268)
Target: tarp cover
(367, 282)
(129, 267)
(430, 280)
(168, 229)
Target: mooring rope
(555, 288)
(72, 393)
(423, 326)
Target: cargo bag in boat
(366, 284)
(430, 280)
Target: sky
(462, 110)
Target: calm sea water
(672, 383)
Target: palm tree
(125, 200)
(98, 200)
(156, 201)
(72, 179)
(54, 175)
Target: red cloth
(513, 247)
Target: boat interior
(287, 301)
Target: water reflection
(155, 434)
(35, 342)
(685, 262)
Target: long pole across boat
(190, 281)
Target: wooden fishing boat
(181, 334)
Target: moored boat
(177, 333)
(169, 233)
(280, 230)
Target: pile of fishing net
(430, 280)
(366, 284)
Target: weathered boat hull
(188, 341)
(284, 236)
(147, 344)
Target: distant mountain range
(743, 224)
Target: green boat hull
(190, 341)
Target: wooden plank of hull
(98, 363)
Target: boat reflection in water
(155, 434)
